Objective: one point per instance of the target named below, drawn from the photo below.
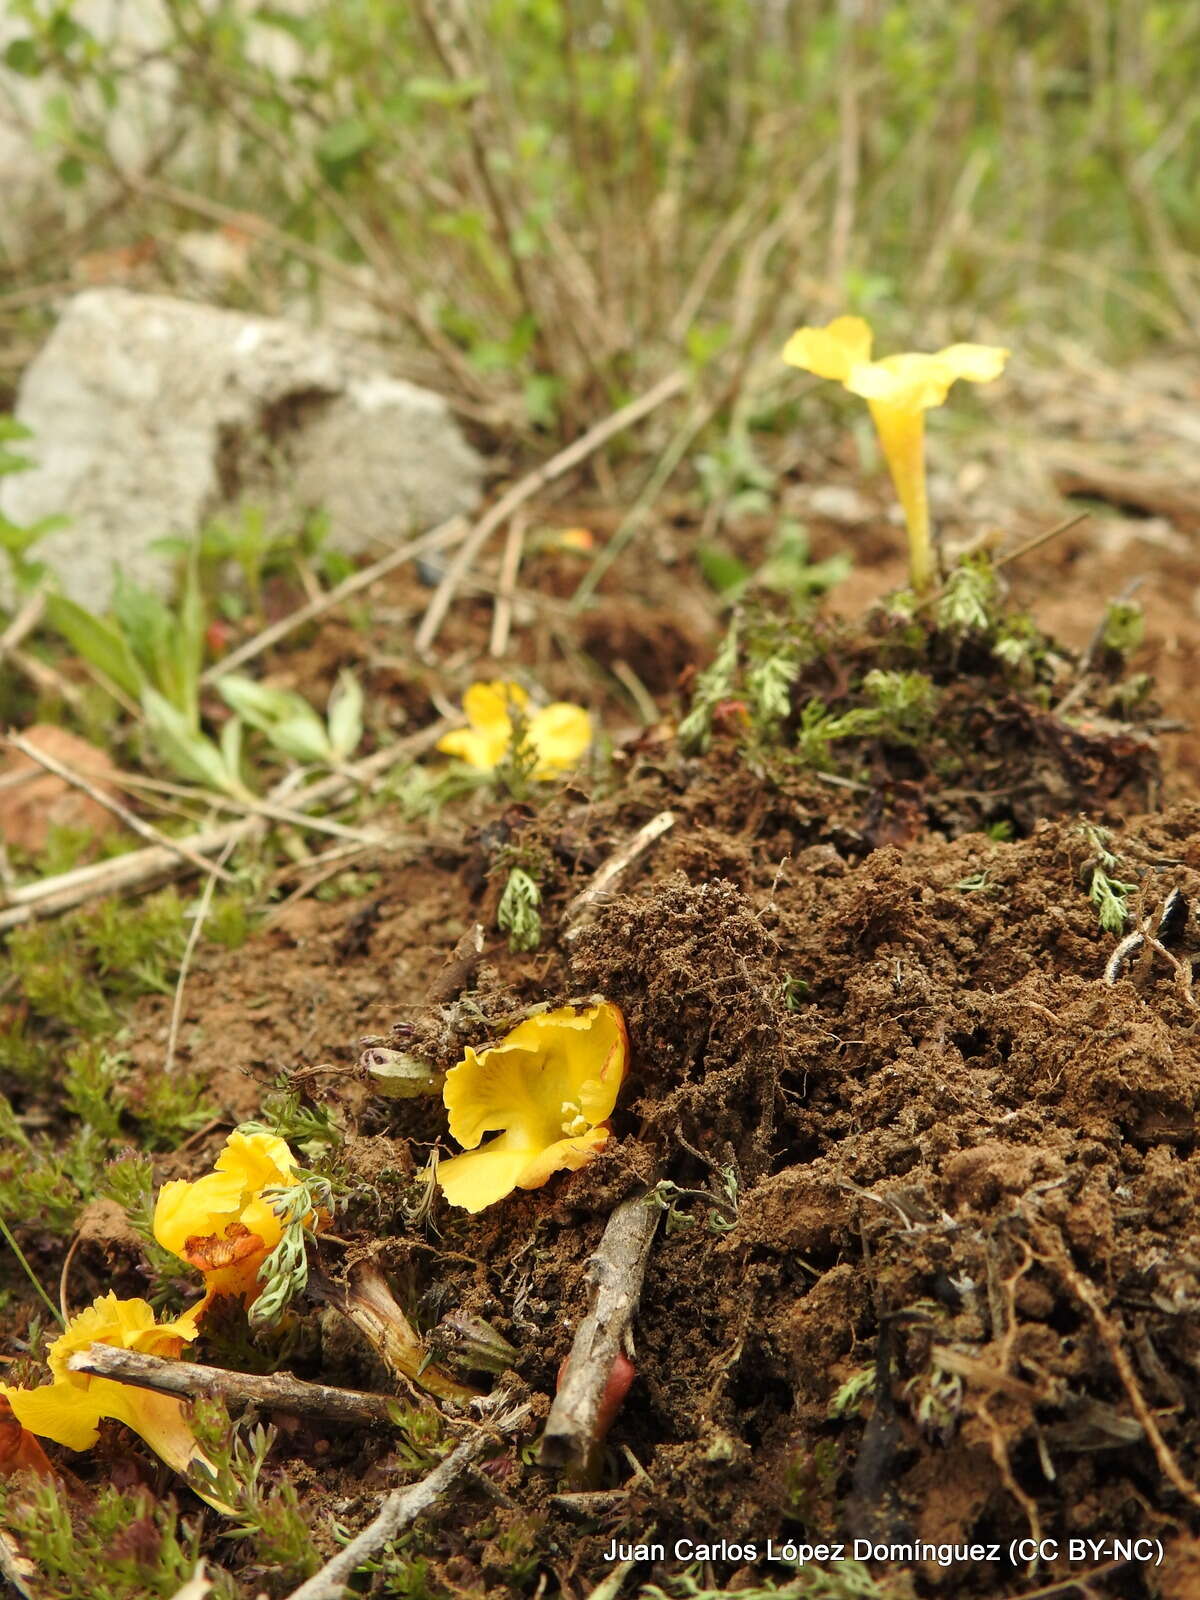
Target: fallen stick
(579, 911)
(279, 1391)
(510, 566)
(402, 1508)
(616, 1272)
(445, 534)
(144, 830)
(158, 864)
(525, 488)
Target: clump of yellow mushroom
(899, 390)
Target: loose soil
(936, 1277)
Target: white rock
(838, 502)
(152, 414)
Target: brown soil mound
(932, 1279)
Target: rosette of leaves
(291, 726)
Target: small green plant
(968, 598)
(266, 1513)
(131, 1183)
(285, 1115)
(787, 569)
(1124, 627)
(290, 724)
(515, 773)
(715, 683)
(1108, 893)
(769, 689)
(722, 1198)
(284, 1274)
(797, 992)
(258, 550)
(518, 914)
(903, 710)
(16, 541)
(152, 655)
(849, 1399)
(121, 1545)
(848, 1580)
(975, 883)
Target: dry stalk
(510, 566)
(24, 622)
(442, 537)
(189, 950)
(277, 1391)
(580, 910)
(615, 1272)
(159, 864)
(532, 483)
(390, 297)
(404, 1506)
(144, 830)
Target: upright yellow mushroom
(899, 390)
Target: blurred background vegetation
(546, 205)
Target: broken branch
(580, 910)
(616, 1272)
(277, 1391)
(402, 1508)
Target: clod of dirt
(33, 801)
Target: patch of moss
(120, 1546)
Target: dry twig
(525, 488)
(510, 565)
(189, 950)
(580, 910)
(277, 1391)
(144, 830)
(158, 864)
(442, 537)
(616, 1272)
(404, 1506)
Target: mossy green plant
(121, 1545)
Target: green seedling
(968, 597)
(284, 1274)
(17, 541)
(903, 710)
(1108, 893)
(291, 725)
(715, 683)
(266, 1512)
(850, 1398)
(1123, 628)
(518, 914)
(116, 1545)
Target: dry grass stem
(187, 1380)
(445, 535)
(158, 864)
(144, 830)
(532, 483)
